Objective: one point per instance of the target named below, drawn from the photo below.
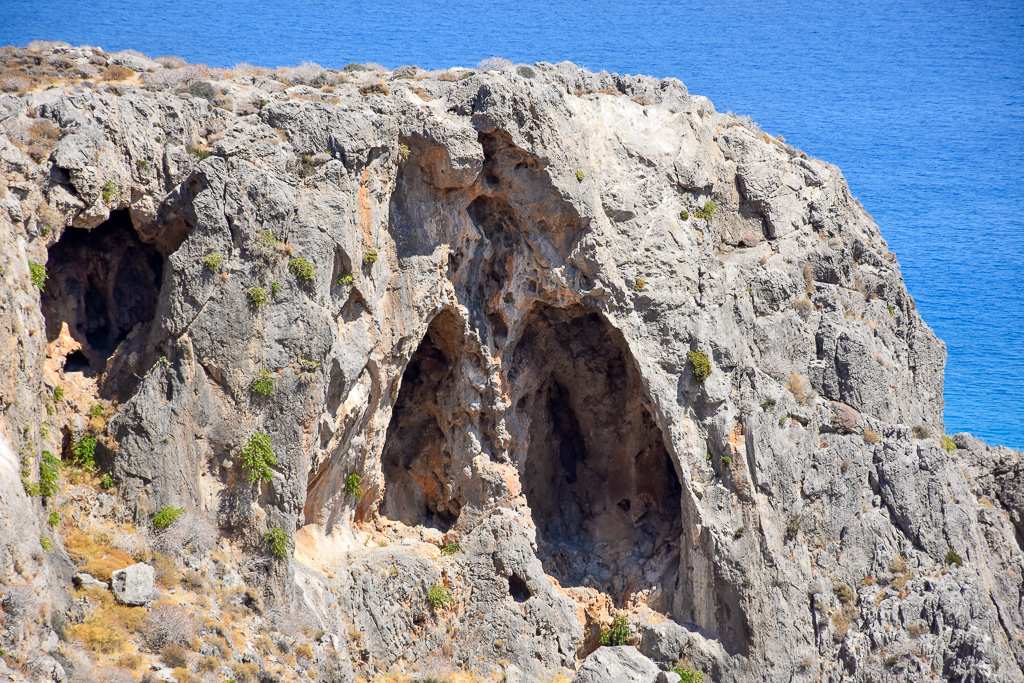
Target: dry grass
(870, 436)
(94, 556)
(798, 387)
(117, 73)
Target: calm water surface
(921, 104)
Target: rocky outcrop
(471, 312)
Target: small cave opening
(417, 458)
(602, 489)
(518, 589)
(102, 283)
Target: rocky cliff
(489, 358)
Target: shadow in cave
(602, 489)
(417, 457)
(102, 283)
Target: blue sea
(921, 104)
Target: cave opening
(601, 486)
(102, 283)
(417, 458)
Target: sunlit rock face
(488, 354)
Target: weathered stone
(133, 585)
(85, 581)
(622, 664)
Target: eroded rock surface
(506, 273)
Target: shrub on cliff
(257, 296)
(619, 633)
(438, 596)
(301, 268)
(707, 212)
(278, 539)
(699, 364)
(258, 457)
(212, 261)
(166, 516)
(264, 383)
(84, 452)
(37, 273)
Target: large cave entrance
(600, 484)
(417, 459)
(102, 283)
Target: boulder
(86, 581)
(621, 664)
(134, 585)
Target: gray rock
(622, 664)
(134, 585)
(669, 677)
(85, 581)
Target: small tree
(258, 457)
(352, 486)
(84, 452)
(278, 539)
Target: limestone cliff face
(508, 271)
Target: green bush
(948, 445)
(96, 410)
(257, 296)
(107, 482)
(688, 674)
(579, 176)
(793, 526)
(46, 543)
(726, 461)
(953, 558)
(639, 285)
(844, 593)
(450, 548)
(685, 215)
(739, 532)
(37, 273)
(700, 364)
(370, 257)
(142, 164)
(258, 457)
(307, 366)
(49, 475)
(345, 279)
(438, 596)
(58, 394)
(707, 212)
(202, 89)
(166, 516)
(54, 519)
(84, 452)
(403, 152)
(109, 191)
(264, 383)
(274, 287)
(279, 540)
(352, 487)
(768, 403)
(921, 432)
(213, 260)
(619, 633)
(301, 268)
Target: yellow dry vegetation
(107, 629)
(94, 557)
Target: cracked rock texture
(507, 272)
